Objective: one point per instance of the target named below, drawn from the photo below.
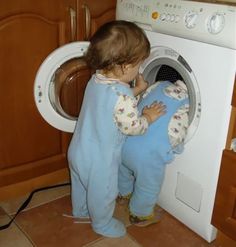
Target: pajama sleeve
(126, 116)
(179, 123)
(178, 126)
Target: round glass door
(59, 85)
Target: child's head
(117, 43)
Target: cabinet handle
(87, 21)
(72, 23)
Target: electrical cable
(26, 202)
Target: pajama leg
(102, 192)
(125, 180)
(147, 188)
(78, 196)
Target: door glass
(67, 86)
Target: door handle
(87, 21)
(72, 23)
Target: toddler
(144, 158)
(109, 112)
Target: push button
(155, 15)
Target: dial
(191, 19)
(216, 23)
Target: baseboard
(25, 187)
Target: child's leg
(149, 178)
(125, 181)
(102, 193)
(78, 197)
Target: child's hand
(140, 85)
(154, 111)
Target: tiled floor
(44, 224)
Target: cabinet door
(91, 16)
(224, 214)
(29, 31)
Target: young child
(145, 157)
(109, 113)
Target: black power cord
(26, 202)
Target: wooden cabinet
(32, 153)
(225, 204)
(224, 213)
(92, 15)
(89, 17)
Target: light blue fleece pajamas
(144, 157)
(94, 156)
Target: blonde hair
(117, 43)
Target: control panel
(205, 22)
(138, 11)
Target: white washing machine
(191, 41)
(194, 42)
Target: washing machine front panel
(204, 35)
(189, 187)
(166, 64)
(57, 86)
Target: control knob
(191, 19)
(216, 23)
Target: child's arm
(140, 85)
(128, 119)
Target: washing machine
(193, 42)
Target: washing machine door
(58, 91)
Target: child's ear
(126, 67)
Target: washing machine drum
(166, 64)
(57, 87)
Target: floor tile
(44, 225)
(167, 233)
(126, 241)
(41, 197)
(12, 236)
(47, 226)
